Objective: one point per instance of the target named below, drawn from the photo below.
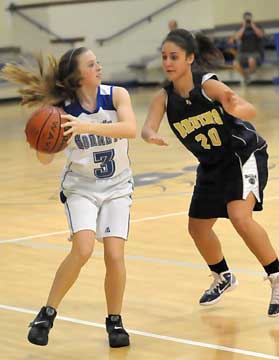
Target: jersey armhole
(206, 77)
(166, 99)
(111, 97)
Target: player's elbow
(132, 132)
(45, 162)
(128, 134)
(133, 136)
(248, 113)
(251, 112)
(44, 159)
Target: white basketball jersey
(92, 155)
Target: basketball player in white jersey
(96, 183)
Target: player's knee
(114, 257)
(240, 223)
(235, 63)
(195, 230)
(82, 254)
(252, 61)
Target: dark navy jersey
(206, 129)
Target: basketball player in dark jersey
(210, 120)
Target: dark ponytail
(207, 56)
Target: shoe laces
(274, 282)
(115, 326)
(218, 280)
(43, 320)
(119, 330)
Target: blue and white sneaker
(223, 282)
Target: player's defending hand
(157, 140)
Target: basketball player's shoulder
(160, 97)
(120, 95)
(208, 76)
(112, 89)
(167, 86)
(162, 94)
(72, 108)
(105, 97)
(120, 90)
(105, 89)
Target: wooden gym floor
(165, 273)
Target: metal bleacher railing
(17, 9)
(57, 38)
(147, 18)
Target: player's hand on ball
(74, 126)
(157, 140)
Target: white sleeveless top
(96, 156)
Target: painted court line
(33, 237)
(66, 231)
(154, 336)
(150, 218)
(141, 258)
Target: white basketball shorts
(101, 206)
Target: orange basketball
(43, 130)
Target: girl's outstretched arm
(232, 103)
(153, 120)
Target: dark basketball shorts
(216, 186)
(243, 58)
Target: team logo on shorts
(251, 178)
(107, 230)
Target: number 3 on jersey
(107, 164)
(213, 136)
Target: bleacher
(9, 54)
(145, 67)
(268, 70)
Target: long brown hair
(51, 84)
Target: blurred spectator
(230, 50)
(250, 55)
(172, 24)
